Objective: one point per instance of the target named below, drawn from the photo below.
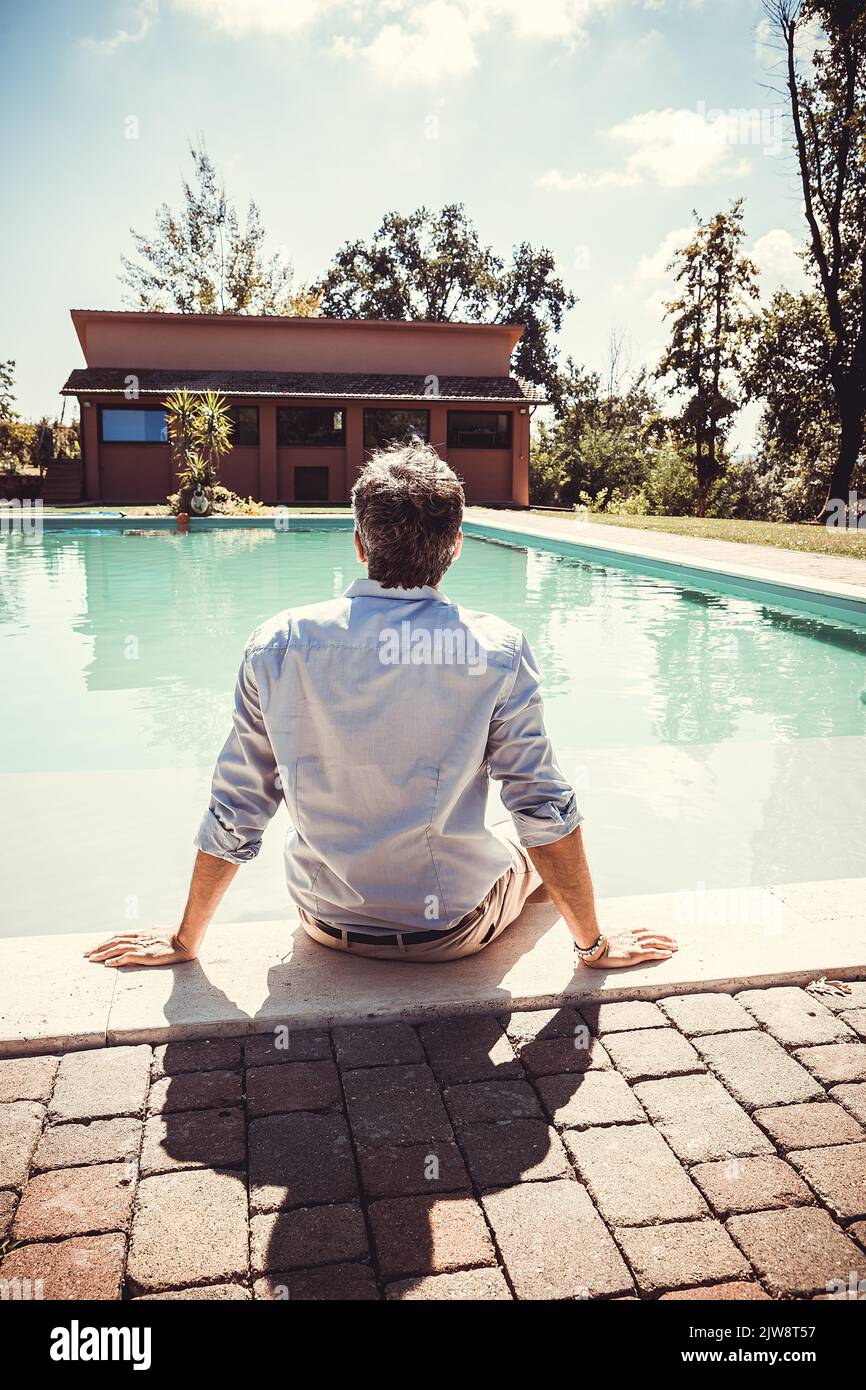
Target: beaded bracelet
(586, 951)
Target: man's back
(379, 707)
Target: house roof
(150, 382)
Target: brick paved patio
(704, 1146)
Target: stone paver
(101, 1141)
(410, 1170)
(524, 1026)
(625, 1017)
(27, 1078)
(349, 1283)
(222, 1054)
(481, 1102)
(633, 1176)
(513, 1151)
(468, 1049)
(463, 1159)
(287, 1045)
(99, 1084)
(194, 1139)
(207, 1090)
(597, 1098)
(699, 1014)
(855, 1019)
(395, 1105)
(750, 1184)
(20, 1127)
(189, 1228)
(386, 1044)
(8, 1203)
(794, 1017)
(75, 1202)
(838, 1175)
(85, 1267)
(853, 1098)
(556, 1056)
(835, 1063)
(681, 1253)
(210, 1293)
(814, 1124)
(308, 1236)
(429, 1235)
(476, 1285)
(725, 1293)
(296, 1160)
(553, 1242)
(797, 1252)
(296, 1086)
(757, 1070)
(699, 1119)
(652, 1053)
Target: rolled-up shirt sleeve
(540, 800)
(245, 792)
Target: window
(316, 426)
(311, 484)
(245, 424)
(383, 427)
(479, 429)
(133, 426)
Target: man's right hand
(633, 948)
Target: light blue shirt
(379, 718)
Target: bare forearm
(210, 879)
(567, 879)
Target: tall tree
(828, 114)
(704, 355)
(200, 260)
(432, 265)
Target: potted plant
(199, 432)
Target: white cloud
(400, 41)
(675, 149)
(655, 266)
(143, 16)
(779, 265)
(439, 46)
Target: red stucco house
(310, 399)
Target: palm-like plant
(199, 432)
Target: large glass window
(383, 427)
(133, 426)
(479, 429)
(245, 423)
(316, 426)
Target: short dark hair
(408, 508)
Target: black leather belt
(388, 938)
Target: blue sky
(592, 126)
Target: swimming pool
(714, 739)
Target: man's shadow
(287, 1121)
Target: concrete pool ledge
(253, 976)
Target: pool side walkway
(761, 562)
(702, 1147)
(253, 976)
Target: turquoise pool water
(713, 739)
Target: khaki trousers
(502, 905)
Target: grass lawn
(821, 540)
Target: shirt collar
(371, 588)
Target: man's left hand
(158, 946)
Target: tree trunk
(850, 444)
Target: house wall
(198, 342)
(143, 473)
